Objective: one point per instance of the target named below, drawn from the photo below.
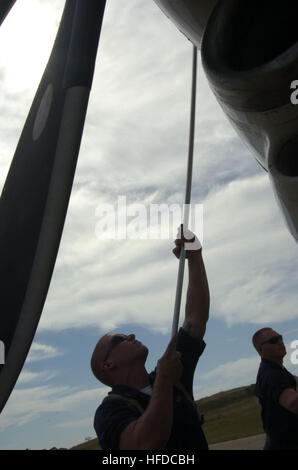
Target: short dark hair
(256, 336)
(96, 368)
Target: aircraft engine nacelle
(190, 16)
(250, 56)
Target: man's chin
(145, 352)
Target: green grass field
(228, 415)
(89, 445)
(231, 415)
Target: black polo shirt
(113, 416)
(280, 425)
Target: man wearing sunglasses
(276, 391)
(155, 411)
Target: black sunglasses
(273, 340)
(116, 339)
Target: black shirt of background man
(280, 425)
(113, 416)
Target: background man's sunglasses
(274, 340)
(117, 339)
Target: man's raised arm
(198, 298)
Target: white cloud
(80, 423)
(247, 250)
(227, 376)
(27, 404)
(249, 255)
(40, 352)
(25, 34)
(29, 376)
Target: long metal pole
(187, 193)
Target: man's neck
(135, 378)
(277, 361)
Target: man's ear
(107, 365)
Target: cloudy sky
(135, 146)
